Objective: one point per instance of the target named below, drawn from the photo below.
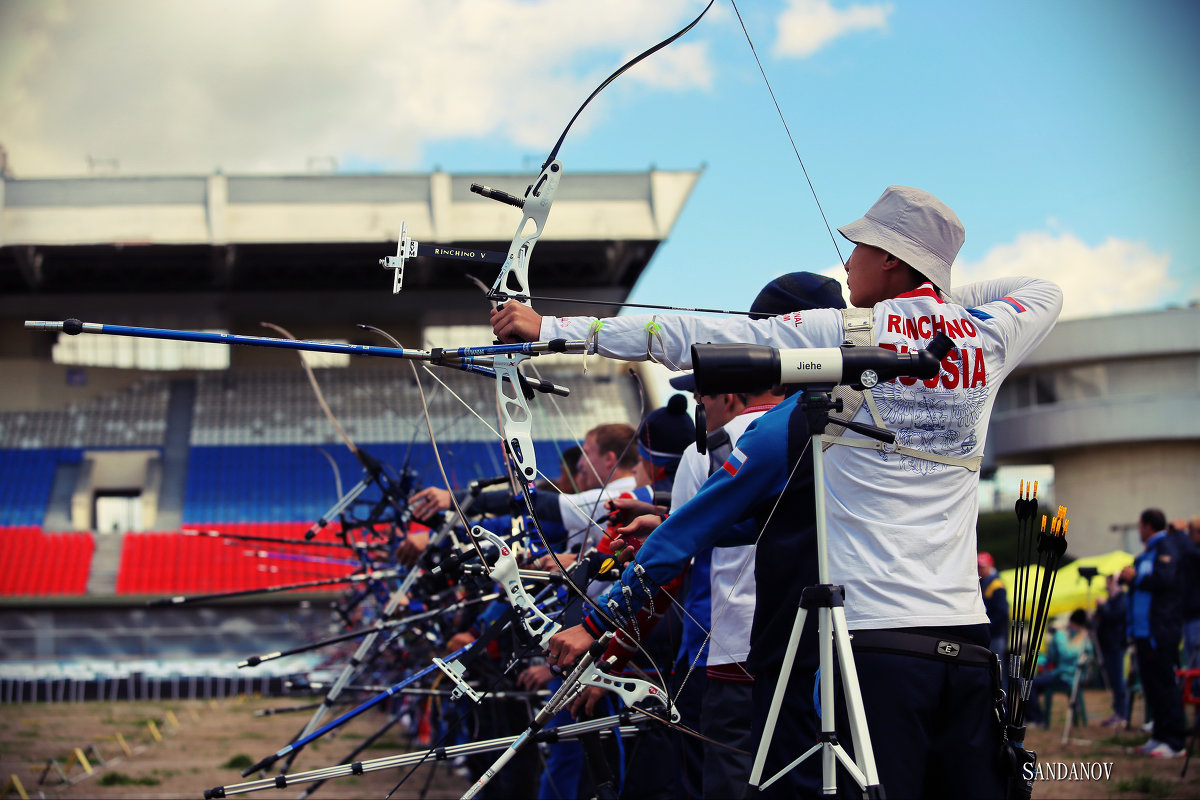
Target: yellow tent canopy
(1071, 590)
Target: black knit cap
(796, 291)
(666, 433)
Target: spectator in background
(995, 602)
(1155, 625)
(567, 481)
(1111, 623)
(1064, 656)
(1189, 540)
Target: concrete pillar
(1106, 488)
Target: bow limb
(437, 456)
(514, 274)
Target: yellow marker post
(14, 783)
(172, 720)
(124, 745)
(154, 730)
(82, 759)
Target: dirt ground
(192, 758)
(1090, 749)
(195, 756)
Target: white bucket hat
(914, 226)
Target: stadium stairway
(180, 411)
(106, 561)
(58, 508)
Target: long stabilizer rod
(468, 359)
(563, 733)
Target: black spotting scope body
(750, 368)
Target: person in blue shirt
(1156, 626)
(1064, 656)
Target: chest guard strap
(859, 331)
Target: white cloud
(1114, 276)
(680, 66)
(265, 85)
(806, 26)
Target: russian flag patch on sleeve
(736, 460)
(1013, 303)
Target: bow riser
(514, 275)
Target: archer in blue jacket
(1156, 625)
(764, 494)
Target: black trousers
(796, 730)
(932, 723)
(1157, 666)
(933, 727)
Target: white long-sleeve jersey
(901, 528)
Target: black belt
(921, 644)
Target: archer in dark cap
(795, 291)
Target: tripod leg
(785, 672)
(828, 709)
(832, 752)
(863, 753)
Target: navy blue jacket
(995, 602)
(768, 479)
(1189, 576)
(1155, 602)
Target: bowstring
(833, 239)
(741, 572)
(788, 130)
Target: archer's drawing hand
(566, 646)
(625, 509)
(534, 678)
(547, 563)
(640, 527)
(429, 501)
(411, 547)
(625, 549)
(513, 322)
(584, 706)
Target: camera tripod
(828, 601)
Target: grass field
(214, 741)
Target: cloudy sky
(1063, 132)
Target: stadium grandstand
(120, 458)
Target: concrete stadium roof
(256, 232)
